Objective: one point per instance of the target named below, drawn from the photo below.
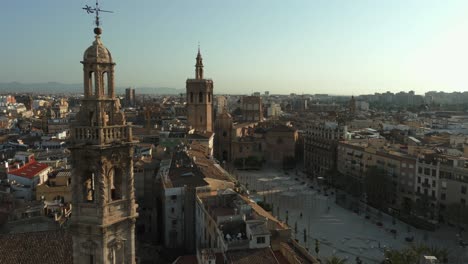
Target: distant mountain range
(55, 87)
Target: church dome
(97, 52)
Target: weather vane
(95, 11)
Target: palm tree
(335, 260)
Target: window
(463, 189)
(427, 171)
(172, 210)
(200, 97)
(403, 165)
(260, 240)
(224, 134)
(173, 197)
(444, 185)
(419, 170)
(174, 223)
(434, 173)
(433, 183)
(419, 179)
(433, 194)
(442, 196)
(462, 201)
(191, 97)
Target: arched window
(191, 97)
(200, 97)
(209, 97)
(115, 184)
(88, 187)
(104, 83)
(91, 82)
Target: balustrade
(101, 135)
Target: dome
(97, 52)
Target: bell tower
(101, 144)
(200, 99)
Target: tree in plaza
(377, 187)
(253, 162)
(239, 163)
(414, 252)
(335, 260)
(422, 206)
(407, 206)
(457, 213)
(289, 162)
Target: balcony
(101, 135)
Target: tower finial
(96, 10)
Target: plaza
(305, 207)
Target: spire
(199, 66)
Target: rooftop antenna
(96, 11)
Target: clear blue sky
(302, 46)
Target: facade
(58, 187)
(252, 109)
(101, 144)
(223, 130)
(320, 147)
(200, 99)
(27, 174)
(130, 97)
(355, 157)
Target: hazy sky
(302, 46)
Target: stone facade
(200, 100)
(104, 208)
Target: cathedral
(102, 145)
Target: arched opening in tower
(115, 184)
(92, 83)
(105, 83)
(88, 186)
(200, 97)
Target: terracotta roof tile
(48, 247)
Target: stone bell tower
(200, 99)
(101, 143)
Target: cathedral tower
(104, 208)
(200, 99)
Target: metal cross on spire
(95, 11)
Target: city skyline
(302, 47)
